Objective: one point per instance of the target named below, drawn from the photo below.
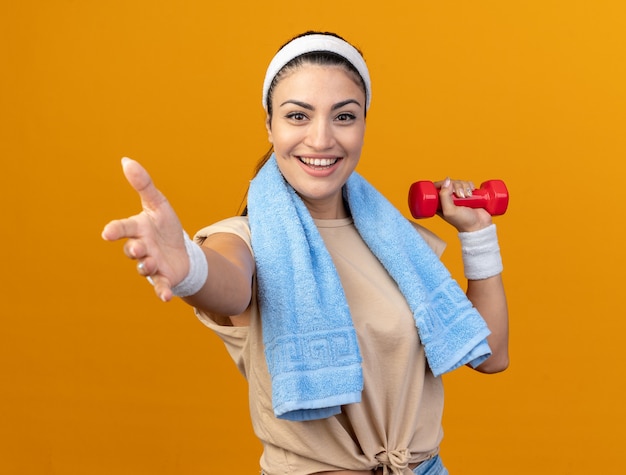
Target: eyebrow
(308, 106)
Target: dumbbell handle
(492, 195)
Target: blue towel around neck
(311, 346)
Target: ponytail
(258, 167)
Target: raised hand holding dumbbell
(492, 195)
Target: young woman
(335, 308)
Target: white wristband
(198, 270)
(481, 253)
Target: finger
(440, 183)
(161, 284)
(135, 249)
(162, 288)
(120, 229)
(466, 188)
(147, 267)
(140, 180)
(110, 232)
(462, 189)
(142, 269)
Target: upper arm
(233, 249)
(228, 290)
(437, 244)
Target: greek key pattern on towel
(313, 350)
(447, 304)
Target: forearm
(489, 298)
(485, 289)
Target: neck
(335, 209)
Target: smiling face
(317, 127)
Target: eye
(345, 116)
(296, 116)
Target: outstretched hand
(463, 218)
(154, 237)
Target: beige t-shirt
(400, 412)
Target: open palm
(154, 237)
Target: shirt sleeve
(237, 225)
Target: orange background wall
(98, 377)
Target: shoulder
(437, 244)
(237, 225)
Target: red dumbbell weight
(492, 196)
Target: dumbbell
(492, 196)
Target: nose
(320, 135)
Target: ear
(268, 126)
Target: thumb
(445, 195)
(140, 180)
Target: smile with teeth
(318, 162)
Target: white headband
(312, 43)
